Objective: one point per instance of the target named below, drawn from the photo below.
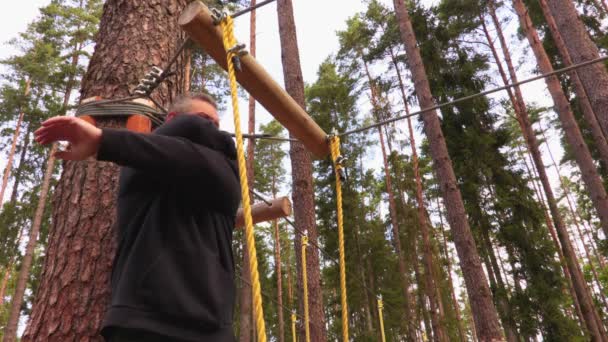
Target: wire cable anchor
(150, 81)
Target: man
(172, 278)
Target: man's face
(204, 109)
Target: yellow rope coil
(334, 144)
(293, 326)
(380, 308)
(229, 43)
(305, 285)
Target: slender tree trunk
(9, 268)
(246, 314)
(480, 296)
(578, 281)
(19, 171)
(589, 173)
(367, 311)
(575, 219)
(502, 298)
(279, 268)
(588, 113)
(448, 257)
(279, 281)
(81, 243)
(581, 48)
(403, 269)
(549, 222)
(5, 278)
(433, 290)
(301, 166)
(11, 153)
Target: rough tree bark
(480, 296)
(11, 153)
(301, 166)
(246, 304)
(533, 146)
(74, 290)
(588, 113)
(581, 48)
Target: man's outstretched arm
(165, 155)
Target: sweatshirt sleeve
(171, 157)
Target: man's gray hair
(182, 103)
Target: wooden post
(261, 212)
(198, 23)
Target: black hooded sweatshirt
(173, 273)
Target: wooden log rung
(197, 21)
(262, 212)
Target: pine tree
(70, 267)
(484, 312)
(301, 166)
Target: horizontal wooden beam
(262, 212)
(197, 21)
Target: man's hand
(83, 137)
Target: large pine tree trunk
(11, 153)
(588, 113)
(578, 281)
(581, 49)
(575, 140)
(480, 297)
(74, 290)
(301, 166)
(246, 303)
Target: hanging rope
(229, 44)
(293, 326)
(305, 285)
(334, 144)
(380, 317)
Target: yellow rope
(229, 43)
(380, 307)
(305, 283)
(293, 327)
(334, 143)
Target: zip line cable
(249, 9)
(473, 96)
